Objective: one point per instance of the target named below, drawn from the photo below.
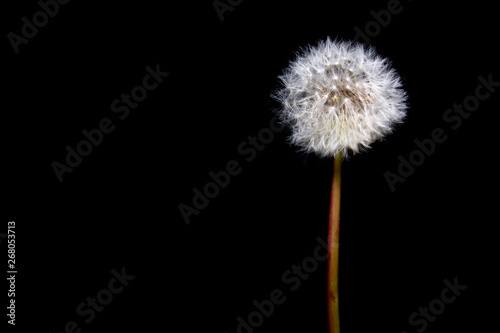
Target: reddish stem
(333, 248)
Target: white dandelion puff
(340, 97)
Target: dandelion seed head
(340, 97)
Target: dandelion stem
(333, 248)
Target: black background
(119, 207)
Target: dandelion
(338, 98)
